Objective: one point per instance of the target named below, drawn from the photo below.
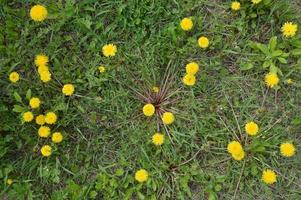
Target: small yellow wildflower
(189, 80)
(45, 76)
(192, 68)
(235, 5)
(287, 149)
(271, 80)
(41, 60)
(141, 175)
(168, 118)
(101, 69)
(109, 50)
(46, 150)
(234, 147)
(40, 119)
(236, 150)
(289, 29)
(28, 116)
(203, 42)
(148, 110)
(34, 102)
(251, 128)
(50, 118)
(42, 69)
(68, 89)
(238, 156)
(38, 13)
(57, 137)
(14, 77)
(186, 24)
(158, 139)
(269, 176)
(44, 131)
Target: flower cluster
(44, 131)
(235, 148)
(41, 61)
(191, 69)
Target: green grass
(107, 138)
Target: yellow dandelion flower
(287, 149)
(269, 176)
(203, 42)
(189, 80)
(251, 128)
(45, 76)
(186, 24)
(234, 147)
(42, 69)
(14, 77)
(57, 137)
(158, 139)
(141, 175)
(40, 120)
(50, 118)
(44, 131)
(148, 110)
(109, 50)
(256, 1)
(68, 89)
(38, 13)
(192, 68)
(156, 89)
(28, 116)
(235, 5)
(238, 156)
(271, 80)
(41, 60)
(34, 102)
(101, 69)
(168, 118)
(9, 181)
(289, 29)
(46, 150)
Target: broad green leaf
(273, 68)
(266, 64)
(282, 60)
(296, 43)
(277, 53)
(17, 97)
(263, 48)
(273, 43)
(296, 52)
(246, 66)
(28, 94)
(19, 109)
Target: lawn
(145, 99)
